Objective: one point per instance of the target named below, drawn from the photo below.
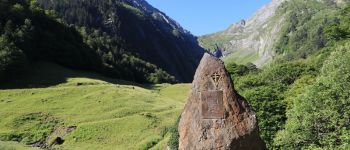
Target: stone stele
(215, 116)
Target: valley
(101, 74)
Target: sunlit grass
(107, 115)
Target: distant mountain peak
(144, 6)
(254, 40)
(248, 38)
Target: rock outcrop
(216, 116)
(252, 40)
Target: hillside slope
(138, 28)
(257, 39)
(302, 94)
(88, 111)
(29, 33)
(249, 40)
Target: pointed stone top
(211, 70)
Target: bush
(320, 117)
(265, 91)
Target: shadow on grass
(45, 74)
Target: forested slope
(132, 45)
(302, 97)
(135, 27)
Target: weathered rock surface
(215, 116)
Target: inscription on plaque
(212, 105)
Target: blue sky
(207, 16)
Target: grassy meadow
(87, 110)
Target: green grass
(210, 41)
(241, 57)
(109, 114)
(14, 146)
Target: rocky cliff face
(252, 40)
(157, 14)
(215, 115)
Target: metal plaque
(212, 105)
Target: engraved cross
(216, 77)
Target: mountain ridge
(254, 40)
(249, 37)
(143, 4)
(145, 31)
